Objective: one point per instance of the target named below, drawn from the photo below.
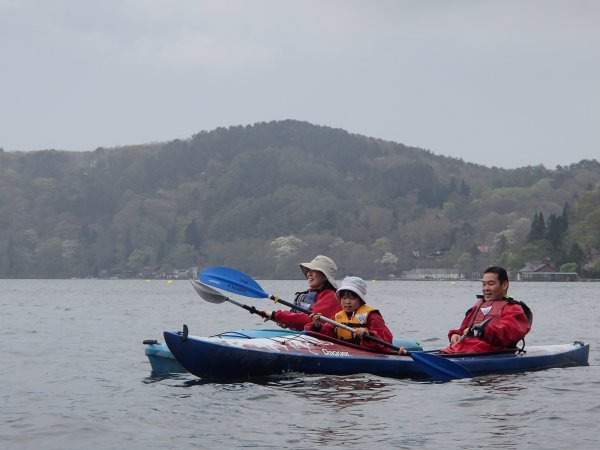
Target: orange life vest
(357, 320)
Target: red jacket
(507, 326)
(326, 304)
(375, 325)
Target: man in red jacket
(496, 322)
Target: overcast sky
(506, 83)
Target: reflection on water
(509, 384)
(156, 377)
(337, 391)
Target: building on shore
(544, 272)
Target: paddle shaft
(250, 309)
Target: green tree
(557, 228)
(49, 257)
(538, 228)
(535, 251)
(465, 263)
(192, 235)
(569, 267)
(181, 256)
(576, 254)
(465, 190)
(501, 245)
(586, 230)
(140, 258)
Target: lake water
(74, 375)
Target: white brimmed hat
(353, 284)
(323, 264)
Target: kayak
(162, 360)
(228, 358)
(160, 357)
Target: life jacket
(492, 314)
(512, 301)
(306, 299)
(357, 320)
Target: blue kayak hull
(162, 360)
(216, 358)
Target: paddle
(231, 280)
(438, 367)
(239, 283)
(213, 296)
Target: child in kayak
(319, 298)
(355, 313)
(496, 322)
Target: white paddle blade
(207, 293)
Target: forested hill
(263, 198)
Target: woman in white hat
(319, 298)
(356, 314)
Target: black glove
(477, 330)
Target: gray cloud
(505, 83)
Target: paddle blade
(231, 280)
(440, 368)
(207, 293)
